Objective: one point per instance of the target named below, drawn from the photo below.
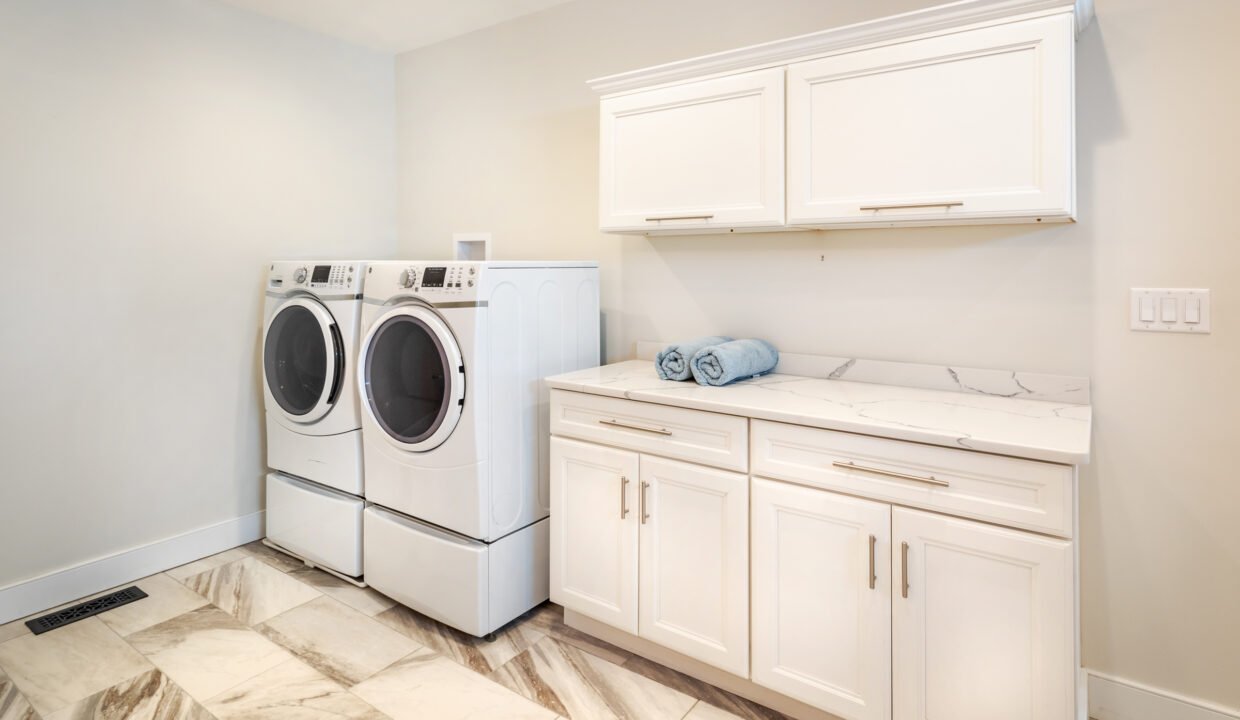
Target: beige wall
(497, 131)
(154, 155)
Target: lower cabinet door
(695, 561)
(594, 531)
(822, 599)
(983, 621)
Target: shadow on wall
(935, 294)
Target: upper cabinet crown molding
(779, 52)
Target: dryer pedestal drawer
(678, 433)
(332, 460)
(473, 586)
(320, 525)
(1009, 491)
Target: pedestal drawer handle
(931, 480)
(632, 426)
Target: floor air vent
(83, 610)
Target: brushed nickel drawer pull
(908, 206)
(931, 480)
(873, 576)
(904, 568)
(642, 499)
(633, 426)
(658, 218)
(624, 497)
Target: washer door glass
(301, 359)
(408, 379)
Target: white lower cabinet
(822, 598)
(985, 627)
(694, 574)
(594, 531)
(685, 525)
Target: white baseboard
(57, 588)
(1112, 698)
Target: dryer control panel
(436, 280)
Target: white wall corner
(1112, 698)
(62, 586)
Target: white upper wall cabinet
(960, 113)
(975, 125)
(697, 156)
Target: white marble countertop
(1035, 429)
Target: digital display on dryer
(433, 276)
(321, 273)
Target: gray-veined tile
(337, 640)
(475, 653)
(197, 567)
(68, 664)
(707, 693)
(580, 685)
(251, 590)
(166, 598)
(14, 705)
(206, 651)
(291, 690)
(366, 600)
(149, 696)
(428, 685)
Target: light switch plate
(1185, 300)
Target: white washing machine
(453, 408)
(314, 441)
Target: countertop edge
(875, 429)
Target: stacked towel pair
(716, 360)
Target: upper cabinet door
(972, 126)
(699, 156)
(982, 621)
(695, 561)
(594, 531)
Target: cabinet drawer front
(970, 125)
(1009, 491)
(701, 437)
(698, 155)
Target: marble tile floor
(253, 634)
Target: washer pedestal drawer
(318, 524)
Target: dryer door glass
(295, 360)
(408, 379)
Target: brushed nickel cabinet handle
(873, 576)
(907, 206)
(904, 568)
(642, 503)
(930, 480)
(634, 426)
(657, 218)
(624, 497)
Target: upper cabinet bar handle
(931, 480)
(624, 497)
(904, 568)
(642, 499)
(657, 218)
(634, 426)
(905, 206)
(873, 576)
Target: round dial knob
(299, 275)
(408, 278)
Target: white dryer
(314, 443)
(453, 408)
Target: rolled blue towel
(672, 362)
(732, 361)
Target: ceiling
(394, 26)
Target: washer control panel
(338, 277)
